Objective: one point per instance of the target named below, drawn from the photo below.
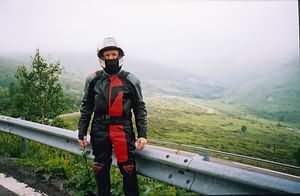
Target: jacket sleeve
(139, 108)
(86, 108)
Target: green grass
(50, 163)
(186, 121)
(222, 131)
(182, 121)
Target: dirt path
(69, 115)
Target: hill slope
(189, 121)
(274, 96)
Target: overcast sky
(200, 35)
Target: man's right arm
(86, 108)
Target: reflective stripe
(129, 169)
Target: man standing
(111, 94)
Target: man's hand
(83, 142)
(140, 143)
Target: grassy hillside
(207, 124)
(173, 119)
(274, 96)
(237, 123)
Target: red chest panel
(115, 106)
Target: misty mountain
(156, 78)
(8, 68)
(167, 80)
(275, 95)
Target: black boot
(102, 176)
(130, 184)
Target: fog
(212, 38)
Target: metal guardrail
(183, 169)
(206, 150)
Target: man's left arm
(140, 114)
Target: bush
(243, 129)
(297, 156)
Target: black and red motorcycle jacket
(112, 98)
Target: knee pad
(98, 167)
(127, 168)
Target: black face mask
(112, 66)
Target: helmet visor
(101, 52)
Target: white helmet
(109, 43)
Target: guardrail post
(205, 156)
(23, 146)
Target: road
(69, 115)
(9, 186)
(6, 192)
